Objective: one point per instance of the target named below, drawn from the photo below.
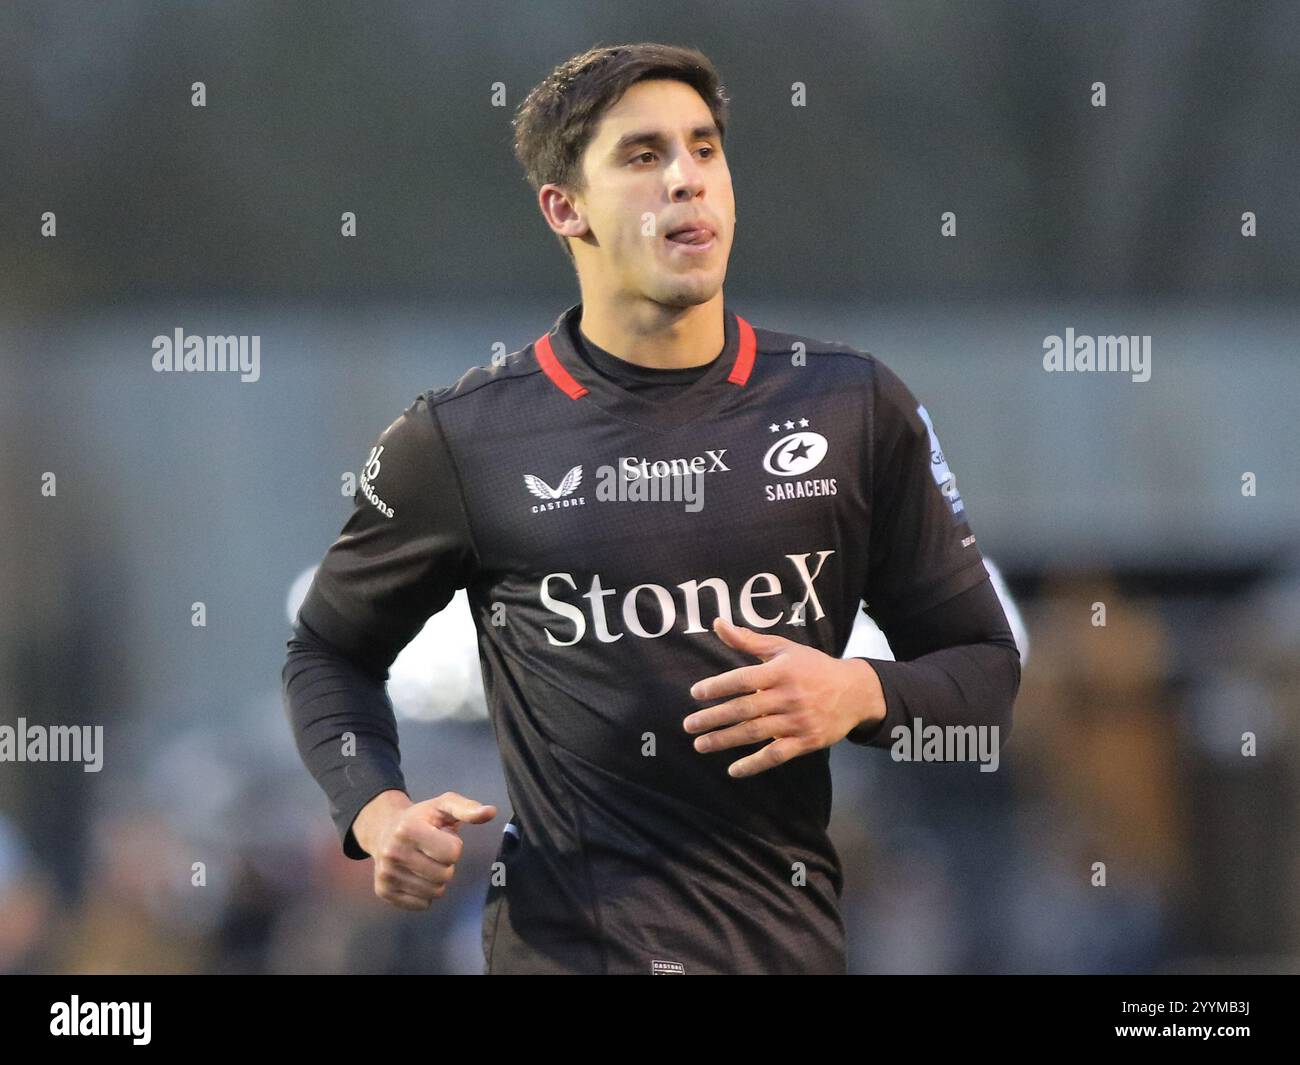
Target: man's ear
(561, 208)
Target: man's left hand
(800, 698)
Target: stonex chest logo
(632, 468)
(650, 611)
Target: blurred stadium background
(1083, 488)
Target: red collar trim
(745, 356)
(566, 383)
(560, 377)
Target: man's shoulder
(517, 366)
(780, 344)
(777, 349)
(842, 366)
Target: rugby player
(664, 680)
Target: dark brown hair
(556, 121)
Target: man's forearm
(344, 728)
(974, 684)
(957, 664)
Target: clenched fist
(415, 845)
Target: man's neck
(650, 334)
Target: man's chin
(688, 292)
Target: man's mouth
(691, 235)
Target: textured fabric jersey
(658, 384)
(821, 483)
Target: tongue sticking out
(691, 236)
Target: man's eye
(638, 158)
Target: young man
(666, 519)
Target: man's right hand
(415, 845)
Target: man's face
(654, 165)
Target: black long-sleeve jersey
(598, 529)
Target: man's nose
(685, 178)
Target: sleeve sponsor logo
(368, 474)
(943, 476)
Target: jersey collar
(723, 380)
